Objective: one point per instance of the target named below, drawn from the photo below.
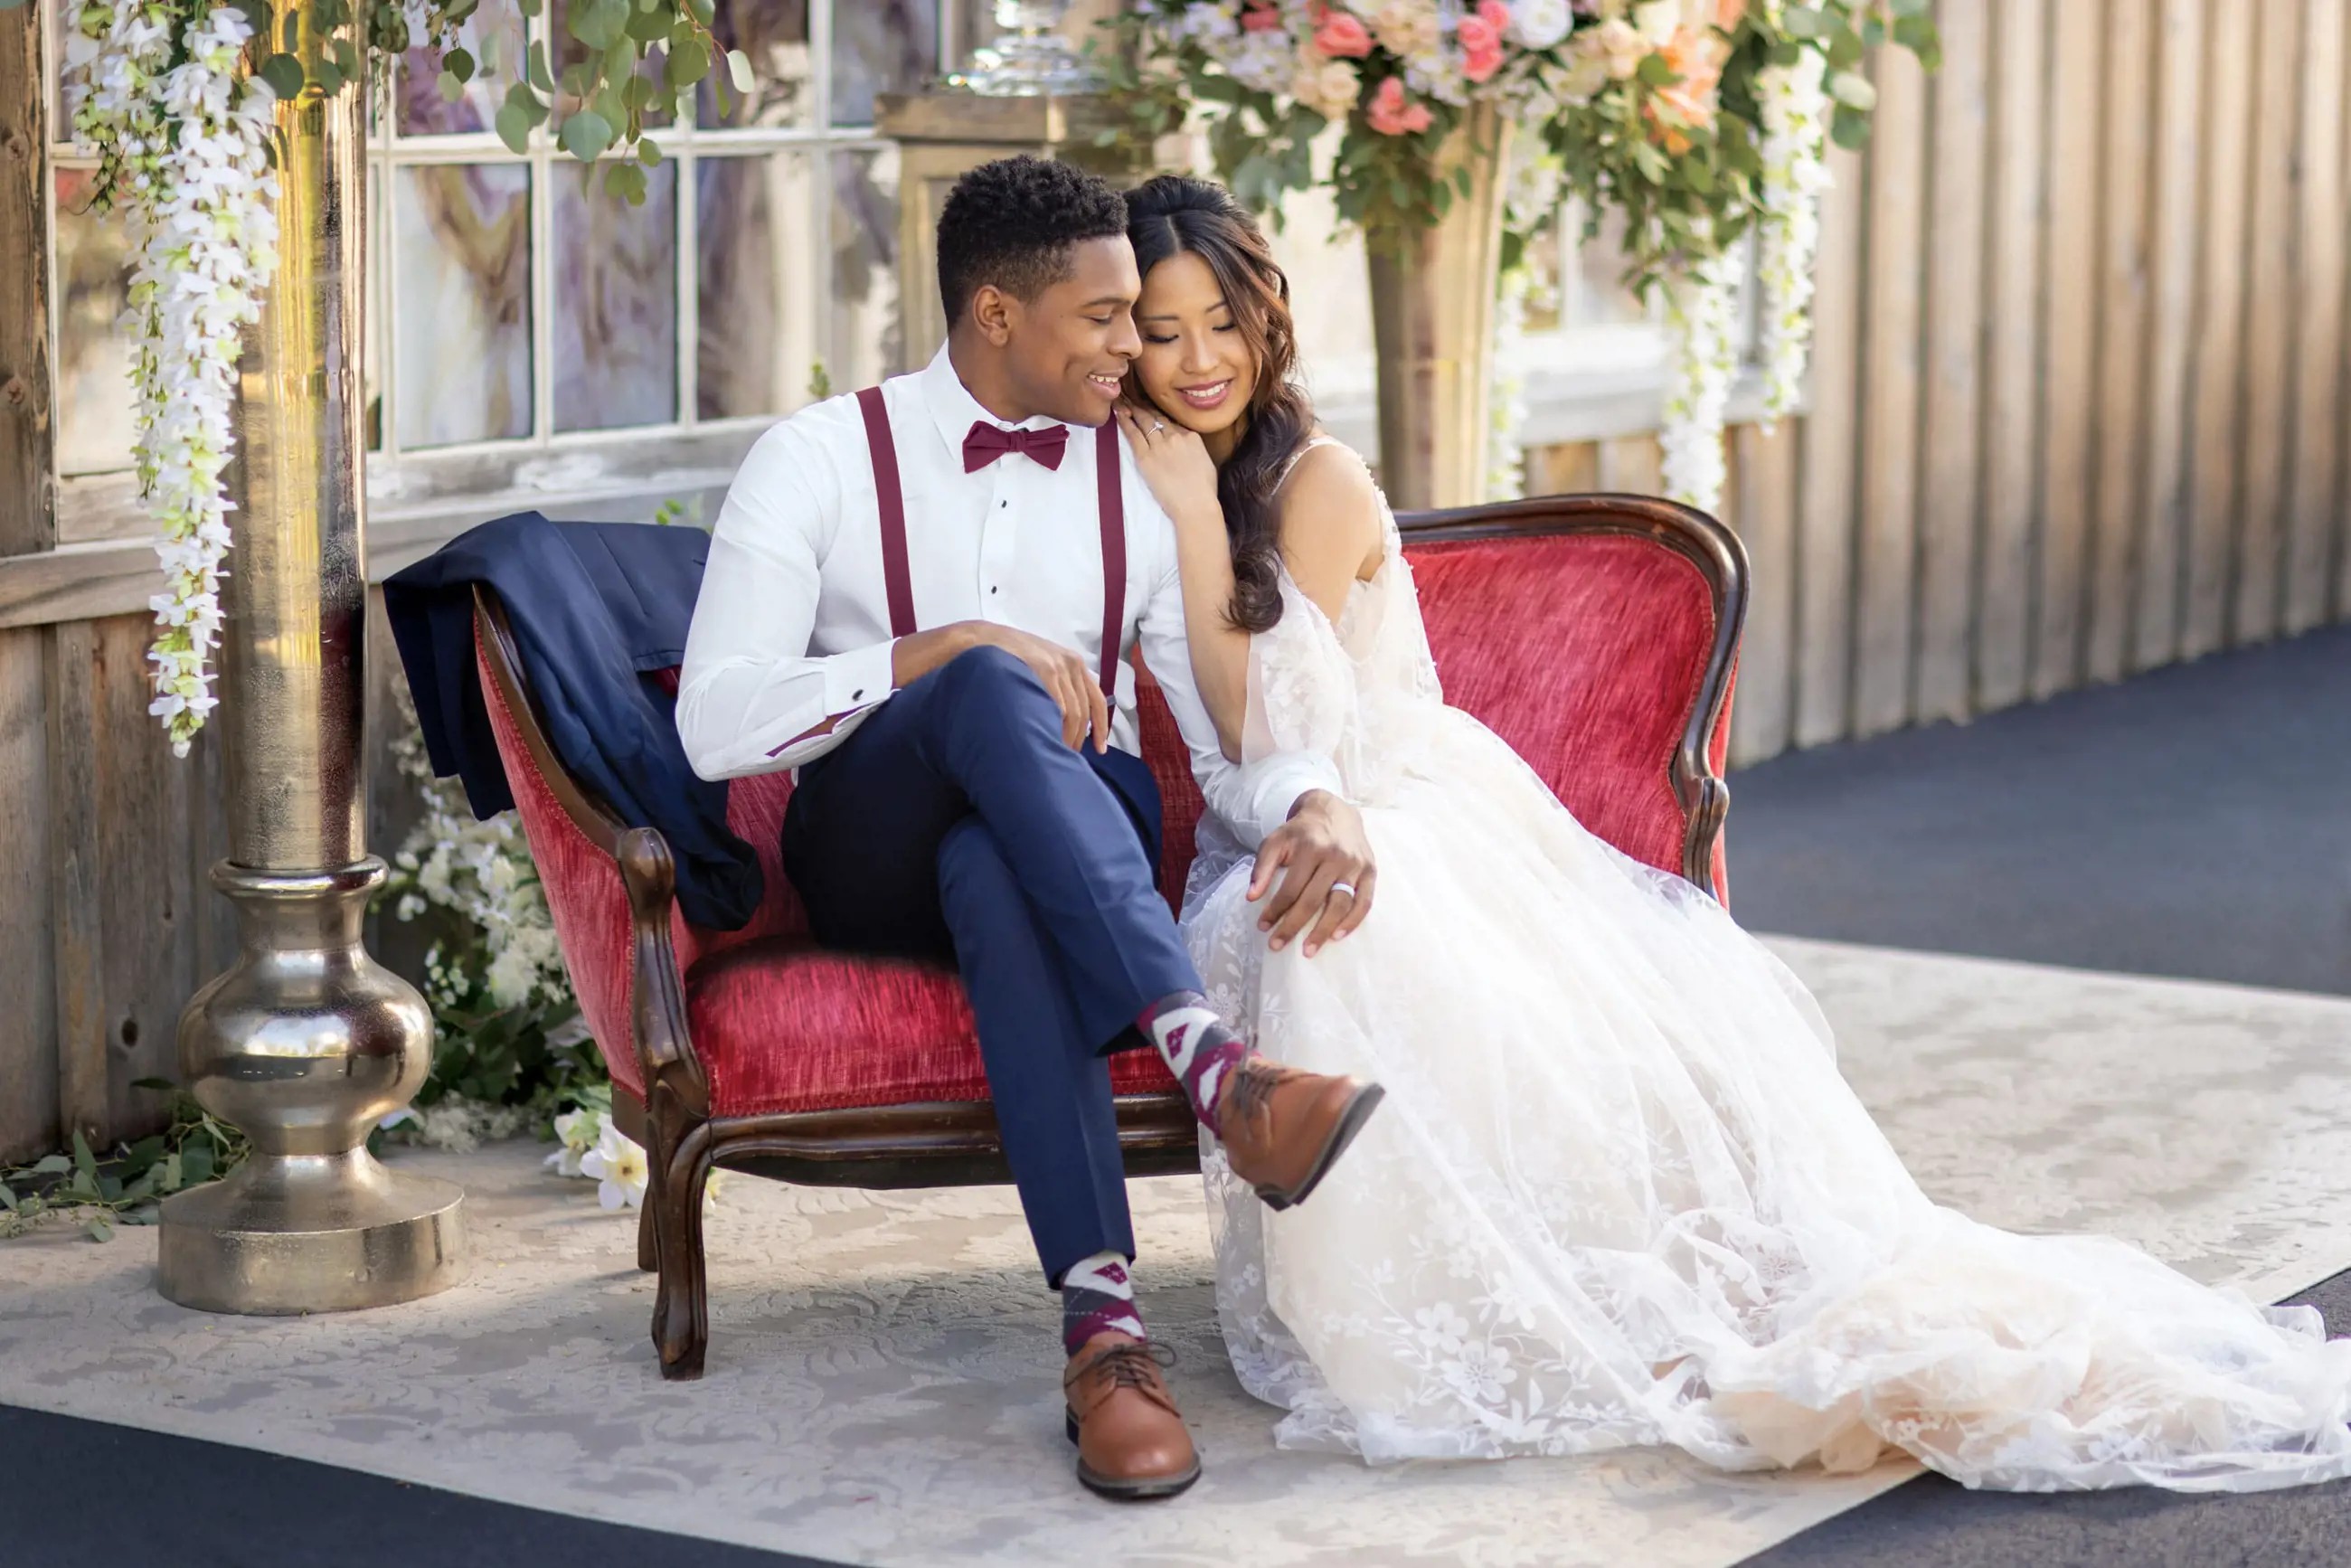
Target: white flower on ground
(618, 1166)
(576, 1133)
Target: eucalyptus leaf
(537, 69)
(596, 23)
(284, 74)
(329, 78)
(99, 1230)
(458, 63)
(85, 1163)
(197, 1163)
(52, 1165)
(648, 152)
(450, 87)
(687, 64)
(7, 1199)
(738, 70)
(1853, 90)
(626, 180)
(586, 134)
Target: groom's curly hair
(1012, 223)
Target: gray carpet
(2189, 822)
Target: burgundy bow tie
(985, 442)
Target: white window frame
(418, 497)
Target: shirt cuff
(861, 678)
(1283, 779)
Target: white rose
(1540, 23)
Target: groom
(922, 597)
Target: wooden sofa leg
(681, 1325)
(648, 1240)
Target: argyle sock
(1197, 1046)
(1098, 1297)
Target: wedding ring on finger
(1346, 887)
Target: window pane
(461, 259)
(867, 342)
(881, 46)
(757, 350)
(1592, 287)
(493, 36)
(94, 400)
(775, 35)
(615, 302)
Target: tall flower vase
(305, 1043)
(1433, 326)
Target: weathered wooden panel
(2174, 184)
(2122, 335)
(27, 418)
(1571, 468)
(2069, 378)
(29, 1035)
(1884, 608)
(1633, 464)
(2320, 220)
(2270, 323)
(2217, 413)
(1951, 459)
(2012, 451)
(78, 979)
(1763, 509)
(1827, 468)
(147, 910)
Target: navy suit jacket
(596, 609)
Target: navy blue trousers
(954, 823)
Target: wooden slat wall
(2081, 377)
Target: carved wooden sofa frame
(954, 1142)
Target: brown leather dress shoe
(1283, 1129)
(1133, 1445)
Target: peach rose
(1391, 114)
(1482, 47)
(1342, 35)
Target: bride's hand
(1176, 465)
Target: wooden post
(28, 513)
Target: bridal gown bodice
(1619, 1194)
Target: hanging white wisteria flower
(1795, 105)
(1701, 314)
(183, 156)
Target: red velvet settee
(1595, 633)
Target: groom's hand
(1066, 676)
(1321, 845)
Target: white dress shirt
(792, 625)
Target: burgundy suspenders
(899, 584)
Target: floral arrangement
(1699, 120)
(178, 98)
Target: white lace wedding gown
(1618, 1192)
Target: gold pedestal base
(310, 1233)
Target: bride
(1621, 1194)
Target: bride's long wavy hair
(1174, 214)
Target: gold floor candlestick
(305, 1042)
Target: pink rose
(1261, 18)
(1391, 115)
(1496, 15)
(1481, 47)
(1342, 34)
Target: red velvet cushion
(1583, 652)
(784, 1026)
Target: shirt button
(858, 694)
(1004, 503)
(991, 591)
